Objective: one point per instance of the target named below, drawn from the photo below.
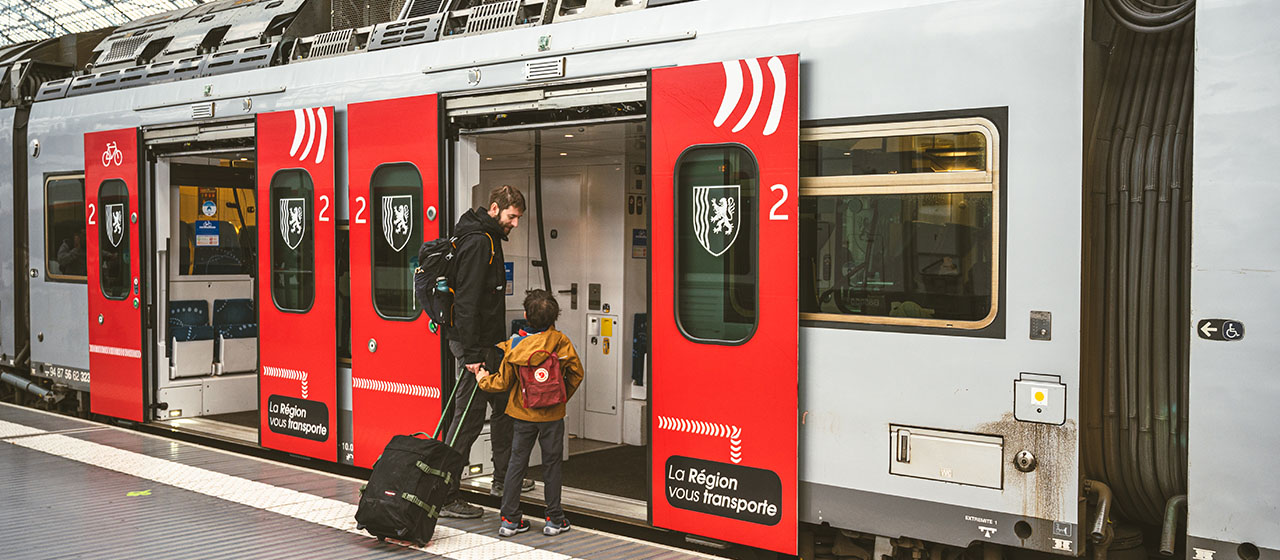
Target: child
(544, 425)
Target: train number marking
(323, 211)
(93, 211)
(364, 205)
(773, 212)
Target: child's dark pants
(550, 436)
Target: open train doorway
(206, 372)
(584, 238)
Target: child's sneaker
(509, 528)
(554, 528)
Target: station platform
(78, 489)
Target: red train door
(298, 380)
(393, 205)
(115, 274)
(725, 316)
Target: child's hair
(541, 309)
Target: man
(71, 255)
(479, 317)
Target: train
(888, 278)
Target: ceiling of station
(30, 20)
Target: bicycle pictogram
(112, 155)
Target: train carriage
(831, 266)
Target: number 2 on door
(773, 212)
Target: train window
(941, 152)
(64, 240)
(217, 222)
(716, 189)
(293, 283)
(899, 224)
(113, 239)
(396, 218)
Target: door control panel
(1040, 398)
(593, 297)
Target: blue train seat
(191, 338)
(236, 323)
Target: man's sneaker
(495, 489)
(509, 528)
(554, 528)
(461, 510)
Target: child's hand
(481, 373)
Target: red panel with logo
(725, 316)
(114, 261)
(393, 205)
(297, 330)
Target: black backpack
(431, 280)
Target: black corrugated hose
(1137, 261)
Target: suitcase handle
(445, 409)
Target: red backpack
(542, 385)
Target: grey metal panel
(58, 309)
(855, 382)
(8, 291)
(1233, 490)
(942, 522)
(399, 33)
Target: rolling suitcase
(409, 484)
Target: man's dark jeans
(499, 422)
(550, 436)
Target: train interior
(584, 235)
(210, 338)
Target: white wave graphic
(732, 90)
(305, 123)
(311, 134)
(733, 86)
(298, 128)
(324, 134)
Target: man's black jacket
(479, 285)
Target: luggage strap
(448, 477)
(431, 510)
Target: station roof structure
(31, 20)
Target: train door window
(293, 282)
(64, 240)
(716, 249)
(396, 217)
(113, 238)
(899, 224)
